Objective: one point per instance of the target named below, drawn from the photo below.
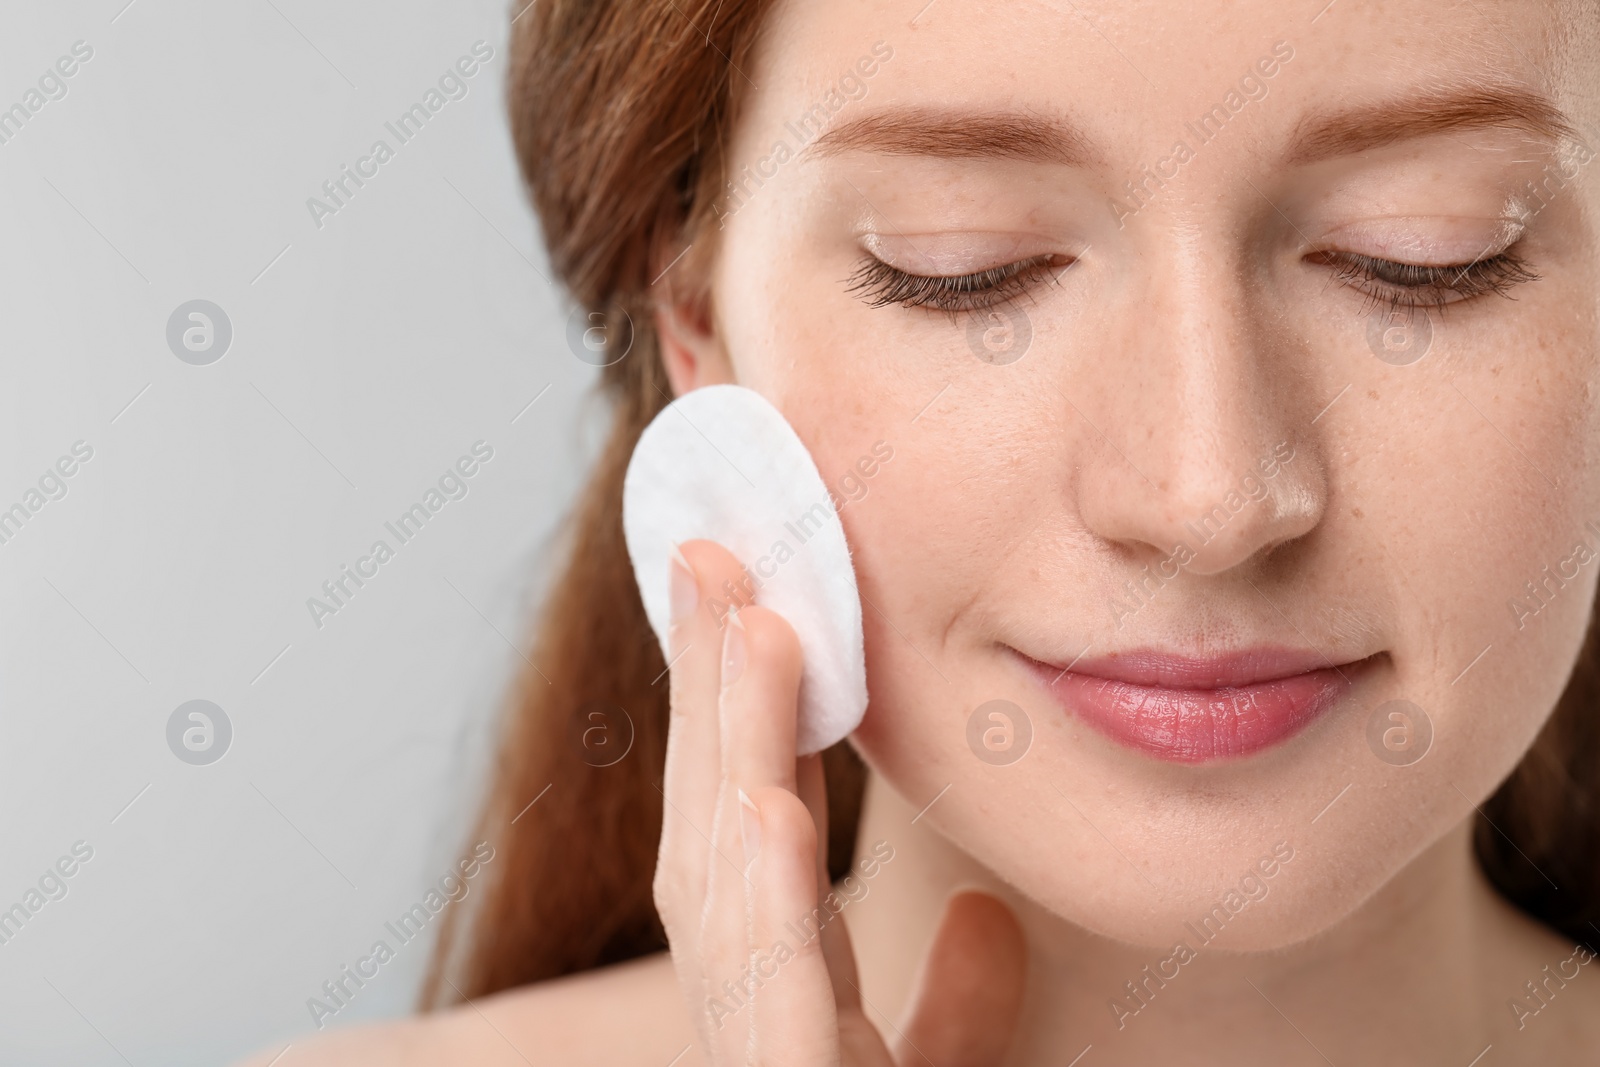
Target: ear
(691, 348)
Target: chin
(1254, 884)
(1197, 906)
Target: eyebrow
(1439, 111)
(951, 134)
(1030, 137)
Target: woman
(1226, 586)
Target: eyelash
(1406, 285)
(1410, 286)
(881, 285)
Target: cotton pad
(721, 463)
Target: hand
(741, 870)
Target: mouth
(1185, 709)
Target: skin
(1168, 355)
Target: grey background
(367, 356)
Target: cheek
(938, 529)
(943, 526)
(1475, 506)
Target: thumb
(968, 993)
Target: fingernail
(732, 650)
(749, 827)
(685, 590)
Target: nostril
(1208, 517)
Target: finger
(692, 769)
(760, 691)
(794, 1018)
(760, 686)
(725, 933)
(968, 993)
(693, 761)
(812, 786)
(858, 1036)
(836, 945)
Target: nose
(1199, 402)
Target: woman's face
(1187, 437)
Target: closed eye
(880, 284)
(1412, 285)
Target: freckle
(1355, 513)
(1372, 394)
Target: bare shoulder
(630, 1013)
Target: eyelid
(955, 253)
(1419, 240)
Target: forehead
(1126, 77)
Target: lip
(1186, 709)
